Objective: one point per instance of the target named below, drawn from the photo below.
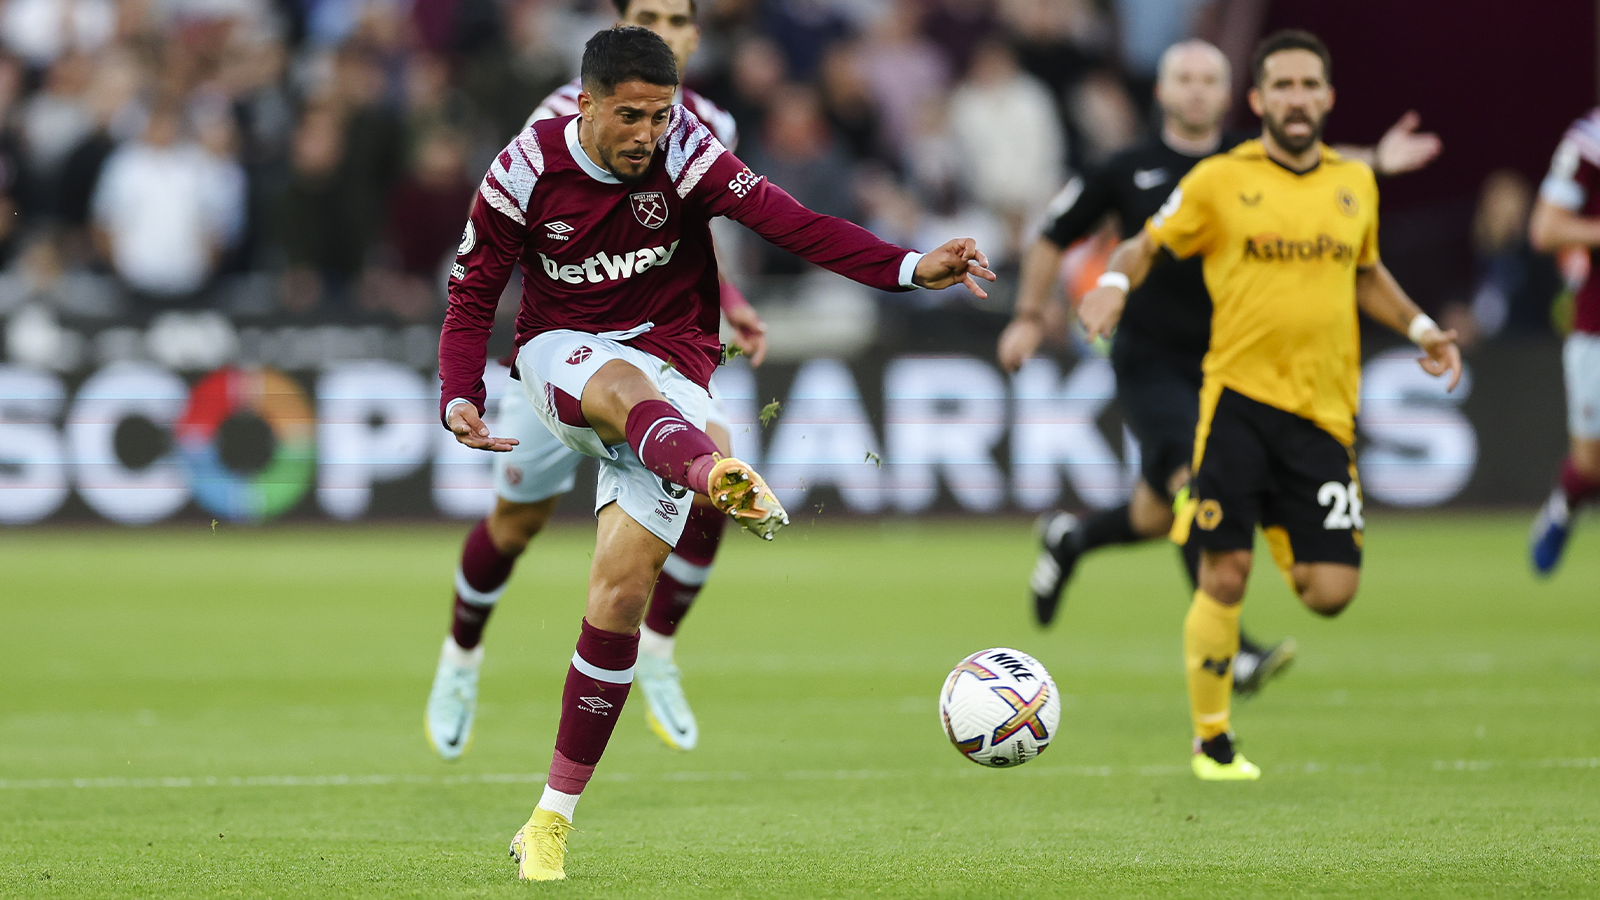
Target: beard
(614, 162)
(1292, 143)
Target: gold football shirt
(1280, 253)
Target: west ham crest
(650, 208)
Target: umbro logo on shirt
(558, 230)
(1145, 179)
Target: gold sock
(1210, 642)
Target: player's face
(1293, 99)
(626, 125)
(1193, 89)
(671, 19)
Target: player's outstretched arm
(957, 261)
(729, 188)
(1101, 308)
(1402, 148)
(1022, 337)
(1381, 297)
(1552, 227)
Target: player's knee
(617, 387)
(1327, 593)
(1223, 575)
(513, 525)
(1586, 459)
(616, 605)
(1148, 513)
(1328, 605)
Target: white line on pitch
(276, 781)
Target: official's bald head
(1195, 57)
(1192, 85)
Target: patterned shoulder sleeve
(719, 120)
(563, 101)
(508, 186)
(1575, 169)
(691, 148)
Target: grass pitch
(239, 713)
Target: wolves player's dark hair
(1291, 39)
(622, 8)
(627, 53)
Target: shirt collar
(584, 162)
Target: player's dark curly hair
(622, 8)
(627, 53)
(1291, 39)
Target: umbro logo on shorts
(668, 510)
(579, 356)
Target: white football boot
(453, 700)
(667, 709)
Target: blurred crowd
(315, 159)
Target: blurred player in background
(617, 340)
(530, 479)
(1567, 214)
(1164, 333)
(1288, 232)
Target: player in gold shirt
(1288, 233)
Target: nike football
(1000, 708)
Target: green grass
(185, 713)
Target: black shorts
(1159, 396)
(1263, 466)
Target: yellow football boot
(1241, 769)
(1208, 769)
(540, 847)
(736, 489)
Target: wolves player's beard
(1295, 144)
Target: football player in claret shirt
(1568, 215)
(1287, 230)
(530, 479)
(607, 213)
(1164, 333)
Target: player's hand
(1101, 310)
(749, 332)
(1443, 355)
(1019, 341)
(470, 430)
(957, 262)
(1403, 149)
